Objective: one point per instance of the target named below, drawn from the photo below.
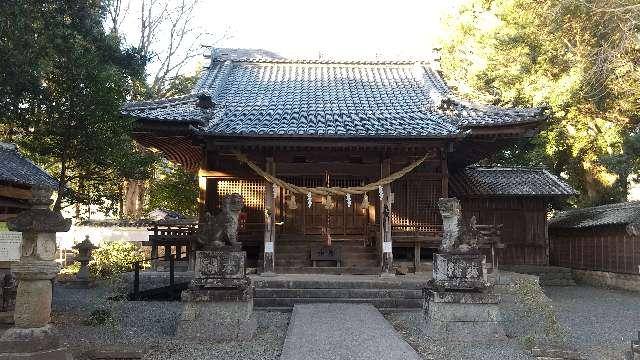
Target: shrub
(113, 258)
(538, 312)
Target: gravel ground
(150, 326)
(411, 324)
(602, 322)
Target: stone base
(458, 315)
(56, 354)
(6, 317)
(216, 314)
(33, 344)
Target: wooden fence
(605, 248)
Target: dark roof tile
(262, 97)
(508, 182)
(18, 170)
(627, 213)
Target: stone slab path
(344, 332)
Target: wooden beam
(15, 192)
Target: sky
(338, 29)
(335, 28)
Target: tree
(64, 81)
(166, 36)
(578, 58)
(174, 189)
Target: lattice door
(253, 193)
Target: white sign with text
(10, 243)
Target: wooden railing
(138, 265)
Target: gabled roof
(275, 97)
(499, 181)
(627, 213)
(18, 170)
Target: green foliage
(577, 58)
(113, 258)
(538, 310)
(64, 81)
(99, 317)
(174, 189)
(3, 226)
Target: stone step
(378, 303)
(338, 293)
(356, 270)
(346, 283)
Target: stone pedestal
(218, 305)
(33, 337)
(462, 315)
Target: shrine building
(341, 163)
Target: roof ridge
(321, 61)
(146, 104)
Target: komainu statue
(457, 237)
(222, 229)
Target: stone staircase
(282, 293)
(292, 255)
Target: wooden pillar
(269, 223)
(385, 221)
(445, 173)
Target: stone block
(466, 331)
(461, 315)
(217, 321)
(459, 271)
(224, 263)
(55, 354)
(27, 340)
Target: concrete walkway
(343, 332)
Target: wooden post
(445, 173)
(385, 222)
(416, 255)
(269, 224)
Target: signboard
(268, 247)
(10, 243)
(386, 246)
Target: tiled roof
(279, 97)
(627, 213)
(507, 182)
(16, 169)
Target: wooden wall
(605, 248)
(524, 226)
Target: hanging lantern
(291, 203)
(309, 200)
(380, 192)
(365, 202)
(348, 199)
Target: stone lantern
(84, 256)
(33, 337)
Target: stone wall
(548, 275)
(608, 279)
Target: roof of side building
(18, 170)
(498, 181)
(627, 213)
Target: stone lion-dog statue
(222, 229)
